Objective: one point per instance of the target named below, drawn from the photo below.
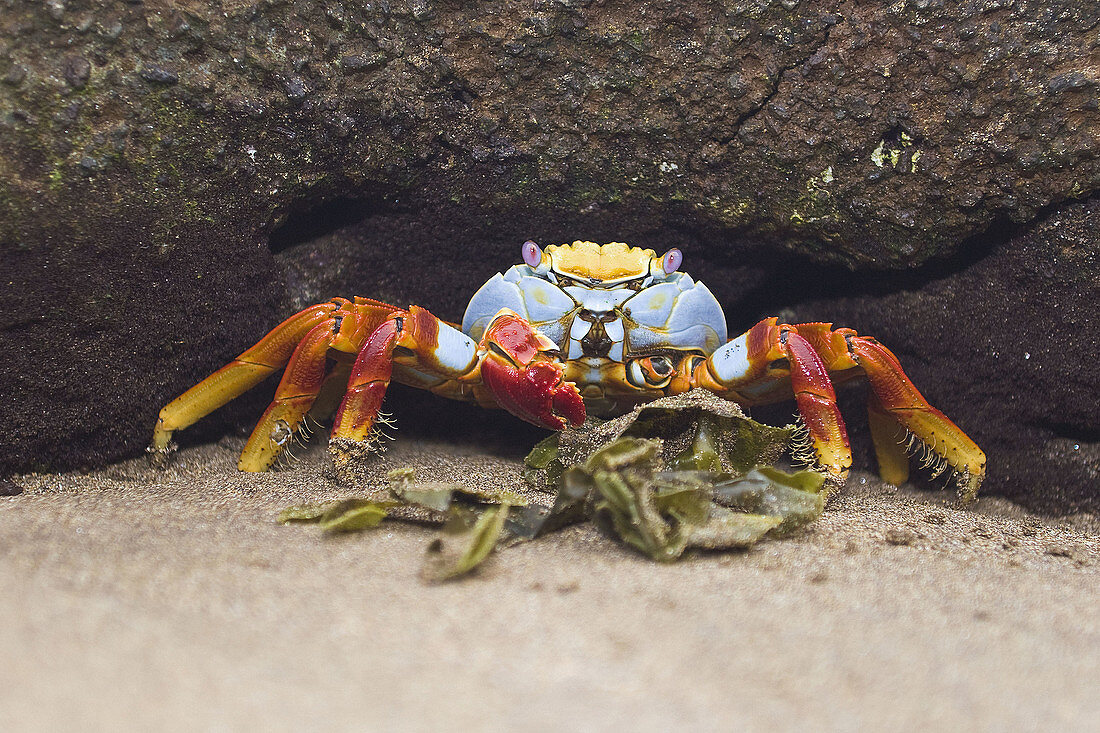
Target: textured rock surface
(1008, 347)
(147, 151)
(863, 133)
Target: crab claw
(525, 378)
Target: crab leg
(367, 385)
(301, 382)
(240, 375)
(306, 340)
(897, 401)
(816, 400)
(765, 364)
(902, 401)
(745, 367)
(893, 461)
(511, 368)
(425, 351)
(332, 392)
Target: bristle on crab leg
(892, 455)
(898, 400)
(801, 444)
(282, 420)
(379, 437)
(816, 399)
(240, 375)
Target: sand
(132, 598)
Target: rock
(824, 134)
(1004, 344)
(159, 75)
(77, 71)
(862, 134)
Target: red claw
(524, 381)
(568, 402)
(536, 393)
(565, 400)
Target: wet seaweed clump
(681, 473)
(472, 519)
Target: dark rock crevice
(308, 223)
(1006, 347)
(788, 280)
(1070, 431)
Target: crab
(577, 329)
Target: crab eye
(660, 366)
(653, 372)
(672, 260)
(532, 254)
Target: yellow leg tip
(273, 434)
(162, 439)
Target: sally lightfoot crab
(576, 328)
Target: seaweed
(680, 473)
(348, 515)
(663, 513)
(465, 540)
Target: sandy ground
(132, 598)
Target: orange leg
(816, 399)
(410, 346)
(240, 375)
(305, 340)
(509, 368)
(898, 408)
(751, 370)
(513, 367)
(367, 385)
(767, 364)
(296, 393)
(904, 403)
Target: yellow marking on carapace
(612, 261)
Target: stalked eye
(654, 372)
(532, 254)
(672, 260)
(660, 365)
